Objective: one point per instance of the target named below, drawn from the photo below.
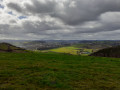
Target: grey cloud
(83, 10)
(76, 16)
(40, 27)
(15, 6)
(7, 29)
(38, 7)
(13, 21)
(86, 10)
(104, 27)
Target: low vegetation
(53, 71)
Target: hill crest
(108, 52)
(6, 47)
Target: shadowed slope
(6, 47)
(108, 52)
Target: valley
(75, 65)
(75, 47)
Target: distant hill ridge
(6, 47)
(108, 52)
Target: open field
(52, 71)
(70, 50)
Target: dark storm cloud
(36, 7)
(39, 7)
(40, 27)
(86, 10)
(74, 11)
(63, 19)
(15, 7)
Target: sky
(60, 19)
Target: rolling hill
(6, 47)
(108, 52)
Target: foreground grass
(50, 71)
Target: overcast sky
(60, 19)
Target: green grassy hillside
(51, 71)
(6, 47)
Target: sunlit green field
(70, 50)
(53, 71)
